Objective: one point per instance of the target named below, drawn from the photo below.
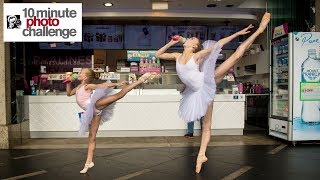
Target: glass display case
(165, 80)
(172, 81)
(227, 87)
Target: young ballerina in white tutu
(196, 69)
(98, 101)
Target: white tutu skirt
(194, 104)
(105, 114)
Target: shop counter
(142, 112)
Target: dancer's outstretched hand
(122, 83)
(245, 30)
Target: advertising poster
(137, 55)
(199, 32)
(306, 101)
(219, 32)
(102, 37)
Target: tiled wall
(4, 137)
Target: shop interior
(121, 49)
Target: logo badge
(13, 22)
(42, 22)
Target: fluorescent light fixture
(108, 4)
(160, 5)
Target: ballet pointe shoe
(200, 160)
(264, 22)
(86, 168)
(144, 78)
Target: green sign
(309, 91)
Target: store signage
(56, 77)
(109, 76)
(280, 30)
(138, 55)
(309, 91)
(76, 70)
(60, 63)
(42, 22)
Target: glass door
(279, 80)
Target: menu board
(60, 45)
(219, 32)
(144, 37)
(199, 32)
(102, 37)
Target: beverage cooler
(295, 87)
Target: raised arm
(104, 85)
(203, 53)
(161, 53)
(225, 40)
(70, 92)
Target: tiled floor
(132, 142)
(230, 157)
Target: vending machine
(295, 87)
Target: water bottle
(33, 90)
(310, 72)
(179, 38)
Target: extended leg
(94, 126)
(104, 102)
(205, 138)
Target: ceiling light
(53, 45)
(160, 5)
(108, 4)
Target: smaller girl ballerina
(98, 101)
